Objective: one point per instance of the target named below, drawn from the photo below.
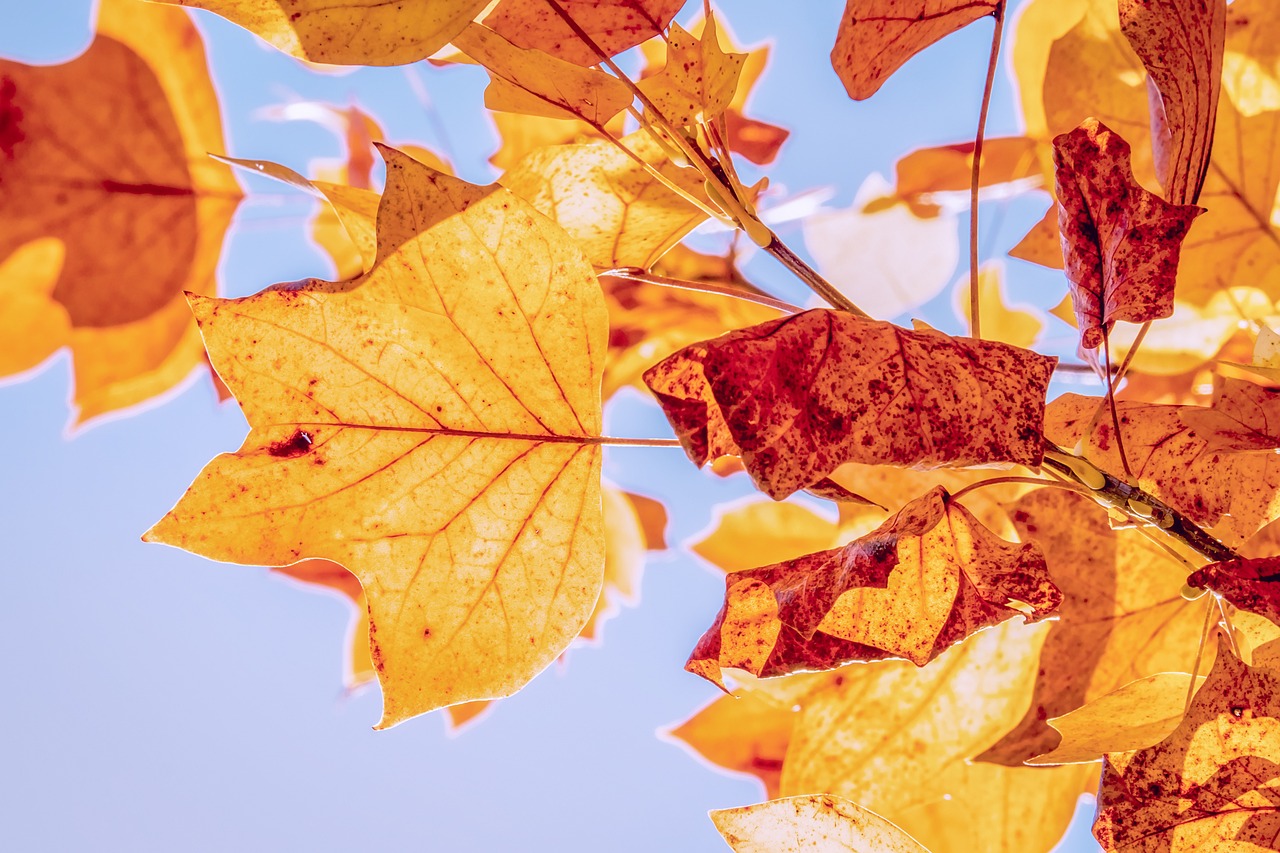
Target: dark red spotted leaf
(1250, 584)
(798, 396)
(1120, 243)
(1212, 785)
(1180, 43)
(928, 577)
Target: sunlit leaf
(614, 25)
(748, 733)
(1250, 584)
(816, 823)
(428, 426)
(698, 80)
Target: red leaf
(1120, 243)
(798, 396)
(924, 580)
(1250, 584)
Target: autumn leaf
(1122, 617)
(137, 223)
(1180, 43)
(798, 396)
(924, 173)
(884, 255)
(816, 822)
(747, 733)
(1250, 584)
(469, 356)
(1138, 715)
(1190, 457)
(360, 33)
(898, 739)
(876, 38)
(613, 25)
(1002, 321)
(699, 79)
(620, 213)
(538, 84)
(1120, 242)
(925, 579)
(1214, 784)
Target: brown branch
(975, 177)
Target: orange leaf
(924, 580)
(877, 37)
(360, 33)
(1120, 242)
(1250, 584)
(139, 222)
(815, 822)
(470, 354)
(1181, 43)
(1189, 456)
(798, 396)
(948, 168)
(1122, 617)
(743, 734)
(699, 79)
(1214, 784)
(614, 25)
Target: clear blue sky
(157, 701)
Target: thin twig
(1111, 401)
(636, 274)
(975, 310)
(1195, 667)
(1030, 481)
(810, 277)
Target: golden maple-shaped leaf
(1122, 617)
(798, 396)
(363, 32)
(699, 79)
(430, 426)
(613, 25)
(138, 222)
(621, 214)
(1181, 44)
(536, 83)
(898, 738)
(815, 823)
(1140, 714)
(1216, 465)
(1120, 242)
(924, 580)
(1212, 785)
(877, 36)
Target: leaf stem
(812, 279)
(501, 436)
(1195, 667)
(1030, 481)
(637, 274)
(975, 177)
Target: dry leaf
(1181, 43)
(1212, 785)
(139, 222)
(1250, 584)
(924, 580)
(798, 396)
(699, 79)
(469, 355)
(816, 823)
(621, 215)
(1140, 714)
(877, 37)
(365, 32)
(614, 25)
(1120, 242)
(1122, 616)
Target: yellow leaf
(747, 733)
(816, 823)
(1000, 321)
(363, 32)
(430, 427)
(699, 79)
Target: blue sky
(159, 701)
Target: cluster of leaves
(426, 430)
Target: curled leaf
(1250, 584)
(1119, 241)
(798, 396)
(924, 580)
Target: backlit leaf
(877, 37)
(747, 733)
(798, 396)
(698, 80)
(1120, 242)
(1214, 783)
(428, 426)
(1250, 584)
(949, 169)
(925, 579)
(139, 222)
(363, 32)
(819, 823)
(614, 25)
